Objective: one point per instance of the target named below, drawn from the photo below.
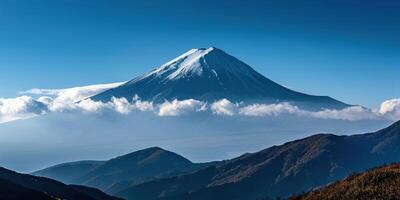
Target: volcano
(210, 74)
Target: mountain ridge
(122, 171)
(67, 172)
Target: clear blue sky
(347, 49)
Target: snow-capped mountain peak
(210, 74)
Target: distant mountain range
(291, 168)
(16, 186)
(210, 74)
(378, 183)
(124, 171)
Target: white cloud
(60, 100)
(224, 107)
(121, 105)
(55, 100)
(390, 109)
(74, 94)
(20, 108)
(353, 113)
(89, 105)
(176, 108)
(269, 109)
(143, 105)
(76, 100)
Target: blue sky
(349, 50)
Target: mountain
(123, 171)
(14, 185)
(378, 183)
(293, 167)
(210, 74)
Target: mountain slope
(209, 75)
(378, 183)
(40, 187)
(293, 167)
(67, 172)
(123, 171)
(92, 192)
(11, 191)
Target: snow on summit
(185, 65)
(194, 63)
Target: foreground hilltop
(16, 186)
(378, 183)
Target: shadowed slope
(28, 184)
(12, 191)
(67, 172)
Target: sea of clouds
(36, 102)
(61, 119)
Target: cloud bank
(390, 109)
(20, 108)
(73, 94)
(76, 100)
